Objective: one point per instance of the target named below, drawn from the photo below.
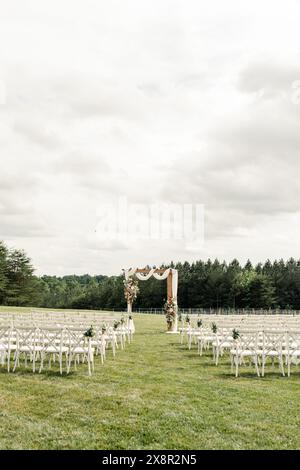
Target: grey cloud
(23, 226)
(269, 76)
(93, 96)
(146, 104)
(247, 174)
(98, 246)
(194, 81)
(81, 163)
(89, 172)
(37, 133)
(13, 181)
(151, 89)
(10, 206)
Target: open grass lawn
(154, 395)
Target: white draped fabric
(145, 277)
(162, 276)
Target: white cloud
(158, 101)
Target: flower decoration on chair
(235, 334)
(89, 333)
(170, 311)
(214, 327)
(131, 289)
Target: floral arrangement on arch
(170, 311)
(131, 289)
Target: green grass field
(154, 395)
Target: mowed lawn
(154, 395)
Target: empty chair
(245, 347)
(80, 348)
(52, 342)
(223, 342)
(27, 346)
(274, 347)
(293, 349)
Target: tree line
(202, 284)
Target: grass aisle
(154, 395)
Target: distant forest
(205, 284)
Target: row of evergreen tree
(201, 284)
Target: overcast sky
(160, 101)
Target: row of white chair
(36, 344)
(65, 343)
(191, 329)
(59, 317)
(257, 343)
(258, 347)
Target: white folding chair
(6, 345)
(99, 343)
(223, 342)
(273, 343)
(245, 347)
(293, 348)
(79, 347)
(205, 339)
(27, 345)
(52, 346)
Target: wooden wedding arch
(171, 275)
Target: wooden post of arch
(169, 286)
